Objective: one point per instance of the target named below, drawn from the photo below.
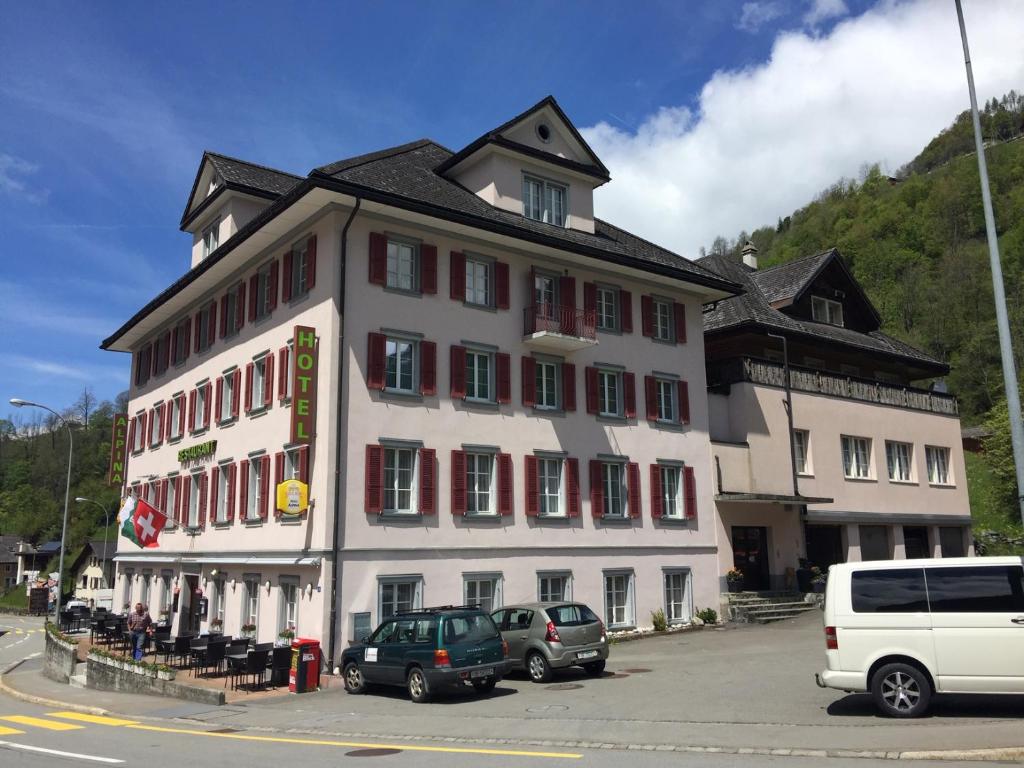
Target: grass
(15, 598)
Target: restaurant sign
(304, 385)
(118, 446)
(292, 497)
(200, 451)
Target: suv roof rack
(437, 608)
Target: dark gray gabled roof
(752, 308)
(239, 175)
(104, 550)
(785, 281)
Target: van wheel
(354, 680)
(419, 691)
(538, 667)
(901, 690)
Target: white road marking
(59, 753)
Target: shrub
(707, 615)
(658, 619)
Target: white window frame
(391, 455)
(252, 500)
(898, 460)
(545, 497)
(231, 297)
(393, 382)
(177, 403)
(201, 395)
(934, 467)
(605, 393)
(291, 464)
(545, 286)
(259, 382)
(479, 270)
(395, 606)
(670, 481)
(544, 591)
(250, 604)
(628, 591)
(227, 396)
(211, 237)
(544, 208)
(801, 449)
(205, 316)
(396, 259)
(548, 400)
(170, 502)
(139, 437)
(155, 424)
(613, 479)
(219, 598)
(474, 357)
(288, 603)
(826, 311)
(684, 613)
(475, 478)
(221, 513)
(607, 306)
(195, 486)
(666, 395)
(662, 320)
(300, 280)
(181, 348)
(471, 584)
(856, 454)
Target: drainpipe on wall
(337, 453)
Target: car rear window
(469, 629)
(571, 615)
(976, 589)
(899, 590)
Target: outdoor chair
(263, 647)
(280, 666)
(182, 648)
(96, 629)
(66, 620)
(239, 645)
(213, 658)
(197, 652)
(255, 667)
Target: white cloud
(823, 10)
(28, 308)
(756, 14)
(13, 171)
(764, 140)
(90, 373)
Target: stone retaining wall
(105, 674)
(60, 658)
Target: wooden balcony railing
(553, 318)
(801, 379)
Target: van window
(899, 590)
(976, 589)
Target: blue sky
(108, 107)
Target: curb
(42, 701)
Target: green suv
(429, 649)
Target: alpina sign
(304, 385)
(118, 444)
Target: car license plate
(586, 654)
(482, 672)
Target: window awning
(771, 498)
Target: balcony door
(750, 555)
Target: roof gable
(218, 173)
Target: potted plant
(819, 579)
(285, 636)
(216, 626)
(248, 630)
(734, 578)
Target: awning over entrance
(771, 498)
(822, 516)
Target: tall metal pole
(789, 410)
(1002, 323)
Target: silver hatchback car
(546, 636)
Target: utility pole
(1002, 323)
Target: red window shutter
(240, 306)
(590, 379)
(286, 278)
(529, 374)
(633, 488)
(689, 493)
(567, 298)
(144, 428)
(223, 316)
(173, 349)
(232, 477)
(162, 497)
(253, 294)
(378, 260)
(197, 331)
(596, 491)
(428, 368)
(249, 368)
(503, 374)
(457, 276)
(629, 394)
(268, 380)
(211, 328)
(458, 482)
(282, 373)
(374, 491)
(192, 411)
(154, 359)
(168, 415)
(264, 487)
(680, 313)
(184, 496)
(651, 396)
(428, 481)
(505, 497)
(532, 487)
(204, 484)
(572, 487)
(375, 361)
(311, 263)
(236, 392)
(684, 402)
(243, 489)
(214, 488)
(428, 268)
(278, 477)
(181, 415)
(207, 405)
(626, 311)
(501, 286)
(166, 362)
(188, 335)
(272, 285)
(304, 464)
(458, 373)
(647, 315)
(569, 386)
(590, 298)
(657, 508)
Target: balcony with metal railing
(554, 328)
(756, 371)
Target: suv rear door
(471, 639)
(576, 624)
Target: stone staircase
(765, 607)
(77, 680)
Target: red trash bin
(304, 675)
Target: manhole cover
(636, 670)
(564, 687)
(375, 752)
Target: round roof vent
(544, 132)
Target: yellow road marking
(38, 722)
(94, 719)
(5, 731)
(360, 745)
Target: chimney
(749, 255)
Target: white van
(905, 629)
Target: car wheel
(484, 686)
(354, 680)
(416, 682)
(901, 690)
(538, 667)
(594, 668)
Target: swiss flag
(148, 522)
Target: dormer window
(544, 201)
(826, 311)
(211, 238)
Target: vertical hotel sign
(118, 449)
(304, 385)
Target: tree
(85, 404)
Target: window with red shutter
(207, 404)
(629, 394)
(428, 481)
(506, 500)
(428, 368)
(532, 486)
(590, 298)
(186, 499)
(572, 487)
(596, 489)
(529, 376)
(254, 291)
(503, 374)
(197, 332)
(569, 386)
(268, 380)
(236, 393)
(458, 373)
(311, 263)
(240, 306)
(378, 258)
(657, 505)
(282, 373)
(501, 285)
(286, 277)
(647, 315)
(374, 487)
(219, 410)
(211, 323)
(651, 397)
(264, 487)
(249, 369)
(375, 361)
(689, 493)
(243, 490)
(214, 493)
(223, 316)
(684, 402)
(232, 471)
(272, 286)
(192, 410)
(457, 276)
(633, 488)
(279, 460)
(590, 381)
(459, 482)
(428, 268)
(626, 311)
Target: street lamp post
(106, 531)
(19, 403)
